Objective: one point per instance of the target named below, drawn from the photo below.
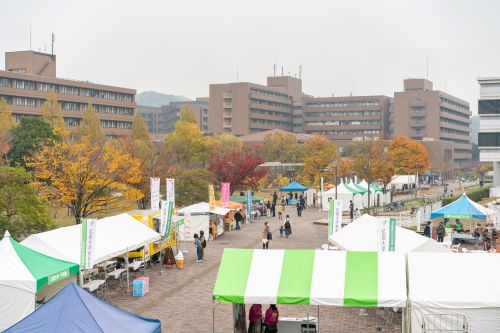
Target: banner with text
(386, 234)
(334, 217)
(167, 209)
(211, 197)
(171, 190)
(155, 194)
(87, 243)
(249, 205)
(225, 191)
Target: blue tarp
(463, 206)
(293, 187)
(74, 310)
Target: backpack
(287, 224)
(204, 242)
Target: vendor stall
(23, 274)
(200, 217)
(73, 310)
(362, 235)
(377, 195)
(293, 187)
(465, 210)
(345, 193)
(455, 292)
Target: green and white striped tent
(316, 277)
(23, 272)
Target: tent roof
(114, 236)
(231, 204)
(402, 179)
(343, 188)
(29, 270)
(373, 187)
(74, 310)
(473, 283)
(315, 277)
(360, 189)
(243, 199)
(462, 208)
(293, 187)
(203, 208)
(361, 235)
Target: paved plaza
(181, 298)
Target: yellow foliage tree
(283, 147)
(85, 178)
(6, 124)
(408, 156)
(320, 153)
(52, 113)
(90, 129)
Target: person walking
(441, 231)
(351, 210)
(275, 197)
(281, 208)
(203, 242)
(197, 246)
(238, 218)
(299, 209)
(255, 319)
(476, 233)
(288, 226)
(315, 197)
(427, 230)
(271, 319)
(273, 208)
(266, 236)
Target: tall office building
(29, 76)
(489, 127)
(243, 108)
(426, 114)
(353, 118)
(163, 119)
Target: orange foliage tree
(84, 177)
(319, 155)
(408, 156)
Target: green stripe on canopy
(231, 284)
(296, 277)
(361, 279)
(360, 189)
(45, 269)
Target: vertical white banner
(334, 216)
(155, 194)
(386, 234)
(163, 217)
(171, 190)
(88, 243)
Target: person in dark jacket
(238, 218)
(441, 231)
(427, 230)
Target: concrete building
(243, 108)
(163, 120)
(353, 118)
(29, 76)
(489, 127)
(426, 114)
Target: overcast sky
(179, 47)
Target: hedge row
(475, 194)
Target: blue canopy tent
(75, 310)
(293, 187)
(463, 208)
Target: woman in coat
(288, 226)
(265, 236)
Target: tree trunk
(239, 318)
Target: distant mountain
(153, 98)
(474, 128)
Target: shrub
(475, 194)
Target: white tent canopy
(115, 235)
(399, 180)
(361, 235)
(344, 193)
(199, 220)
(471, 288)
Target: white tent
(361, 235)
(399, 180)
(344, 193)
(115, 235)
(463, 284)
(200, 220)
(376, 195)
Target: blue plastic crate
(138, 288)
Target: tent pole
(317, 322)
(161, 248)
(213, 317)
(128, 277)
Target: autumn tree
(84, 177)
(90, 128)
(52, 113)
(320, 153)
(408, 156)
(283, 147)
(28, 137)
(240, 167)
(187, 114)
(225, 142)
(22, 211)
(372, 163)
(6, 124)
(191, 185)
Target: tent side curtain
(315, 277)
(293, 187)
(461, 208)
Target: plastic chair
(455, 248)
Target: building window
(484, 106)
(489, 139)
(69, 90)
(5, 82)
(22, 84)
(47, 87)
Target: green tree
(140, 128)
(31, 135)
(22, 211)
(283, 147)
(90, 128)
(191, 185)
(226, 142)
(6, 124)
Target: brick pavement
(181, 298)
